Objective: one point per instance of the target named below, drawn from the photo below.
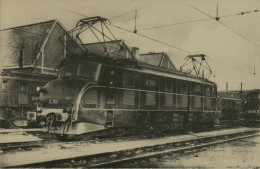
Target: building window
(24, 86)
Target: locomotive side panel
(92, 107)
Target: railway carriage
(252, 106)
(231, 108)
(95, 95)
(18, 97)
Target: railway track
(20, 140)
(114, 158)
(21, 146)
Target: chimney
(21, 58)
(226, 88)
(135, 51)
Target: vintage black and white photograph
(129, 83)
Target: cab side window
(90, 99)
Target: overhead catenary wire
(229, 66)
(125, 13)
(191, 21)
(147, 37)
(180, 23)
(158, 40)
(236, 32)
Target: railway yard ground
(31, 148)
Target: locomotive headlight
(38, 88)
(41, 89)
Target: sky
(231, 57)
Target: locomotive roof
(152, 63)
(160, 71)
(141, 67)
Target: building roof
(28, 37)
(114, 49)
(35, 40)
(157, 59)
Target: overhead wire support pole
(135, 31)
(217, 17)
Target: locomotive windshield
(86, 70)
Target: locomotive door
(110, 98)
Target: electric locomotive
(93, 95)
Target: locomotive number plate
(53, 101)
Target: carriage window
(4, 84)
(197, 89)
(208, 91)
(128, 80)
(23, 86)
(129, 98)
(184, 87)
(71, 70)
(168, 85)
(150, 99)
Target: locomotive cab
(58, 102)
